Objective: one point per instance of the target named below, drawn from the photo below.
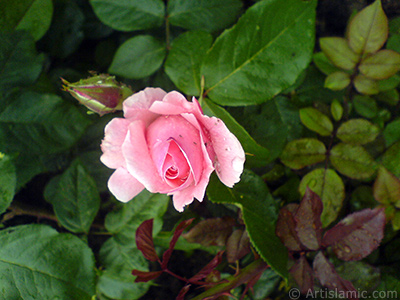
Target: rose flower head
(165, 144)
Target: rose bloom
(165, 144)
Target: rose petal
(136, 107)
(138, 160)
(229, 153)
(115, 133)
(123, 185)
(173, 103)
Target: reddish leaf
(328, 277)
(145, 276)
(203, 273)
(211, 232)
(357, 235)
(286, 228)
(183, 291)
(177, 233)
(238, 245)
(144, 240)
(303, 274)
(308, 220)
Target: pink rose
(165, 144)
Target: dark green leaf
(128, 15)
(260, 212)
(391, 159)
(254, 151)
(138, 57)
(353, 161)
(324, 64)
(184, 60)
(74, 197)
(210, 15)
(262, 54)
(40, 124)
(357, 132)
(316, 121)
(303, 152)
(19, 63)
(8, 181)
(30, 15)
(365, 106)
(392, 132)
(390, 97)
(36, 262)
(387, 188)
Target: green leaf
(116, 281)
(337, 50)
(336, 110)
(303, 152)
(353, 161)
(30, 15)
(391, 159)
(365, 85)
(368, 30)
(328, 185)
(8, 182)
(381, 65)
(365, 106)
(184, 60)
(209, 15)
(37, 262)
(389, 83)
(262, 54)
(337, 81)
(390, 97)
(387, 188)
(128, 15)
(138, 57)
(123, 222)
(391, 133)
(253, 150)
(74, 197)
(357, 132)
(40, 124)
(260, 212)
(20, 65)
(324, 64)
(316, 121)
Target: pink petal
(136, 107)
(138, 160)
(229, 154)
(114, 136)
(174, 103)
(123, 185)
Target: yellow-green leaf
(303, 152)
(339, 53)
(368, 30)
(365, 85)
(381, 65)
(327, 184)
(357, 132)
(387, 188)
(337, 81)
(316, 121)
(336, 110)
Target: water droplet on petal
(228, 149)
(237, 164)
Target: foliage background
(64, 235)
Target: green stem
(234, 281)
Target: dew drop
(347, 249)
(228, 149)
(237, 164)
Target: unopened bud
(101, 93)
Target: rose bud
(101, 94)
(165, 144)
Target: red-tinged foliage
(357, 235)
(144, 240)
(286, 228)
(203, 273)
(303, 274)
(177, 233)
(183, 291)
(211, 232)
(308, 220)
(238, 245)
(145, 276)
(328, 277)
